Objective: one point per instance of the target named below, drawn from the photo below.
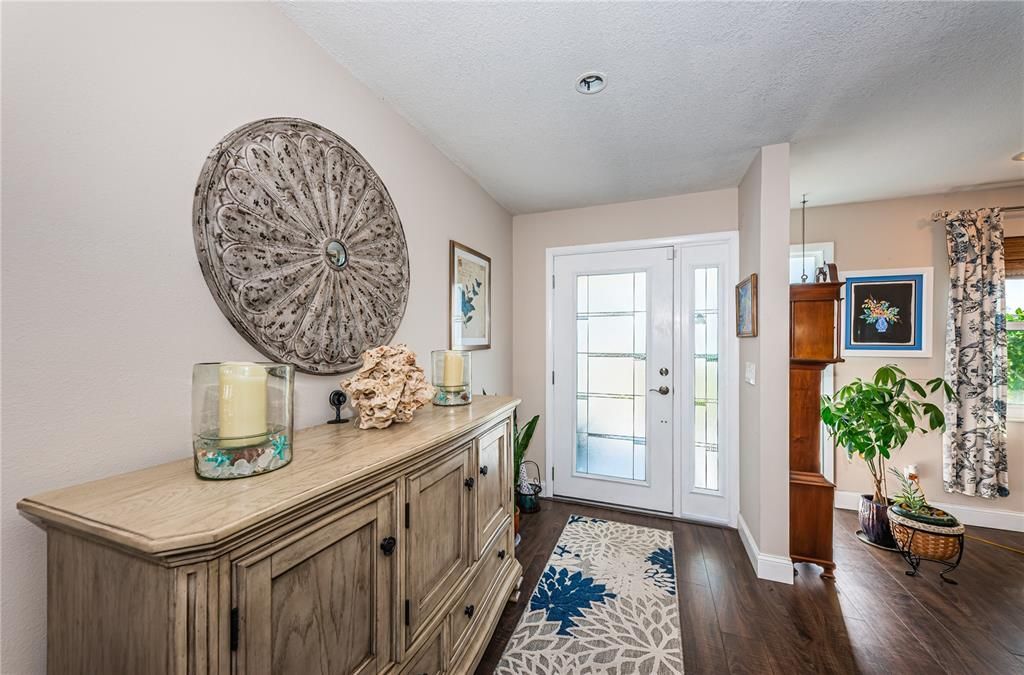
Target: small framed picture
(469, 313)
(888, 313)
(746, 307)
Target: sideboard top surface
(167, 508)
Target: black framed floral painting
(469, 282)
(888, 313)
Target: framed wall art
(469, 313)
(888, 313)
(746, 307)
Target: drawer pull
(469, 483)
(501, 554)
(483, 470)
(469, 610)
(388, 545)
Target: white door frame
(729, 388)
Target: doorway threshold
(645, 512)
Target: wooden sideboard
(377, 551)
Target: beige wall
(899, 233)
(534, 233)
(764, 406)
(749, 204)
(109, 111)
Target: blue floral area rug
(605, 604)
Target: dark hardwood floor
(873, 619)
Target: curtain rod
(937, 216)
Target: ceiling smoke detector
(590, 83)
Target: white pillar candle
(243, 401)
(452, 369)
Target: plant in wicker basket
(910, 497)
(921, 531)
(910, 502)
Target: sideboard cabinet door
(438, 553)
(322, 601)
(493, 498)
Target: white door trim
(729, 392)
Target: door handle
(388, 545)
(663, 390)
(469, 483)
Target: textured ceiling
(879, 99)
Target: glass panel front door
(611, 328)
(613, 375)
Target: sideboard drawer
(430, 659)
(464, 611)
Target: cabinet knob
(469, 610)
(469, 483)
(483, 470)
(501, 554)
(388, 545)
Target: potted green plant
(521, 438)
(872, 419)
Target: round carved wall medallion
(300, 244)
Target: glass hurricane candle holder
(241, 418)
(452, 377)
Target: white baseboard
(769, 567)
(997, 519)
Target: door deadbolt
(663, 371)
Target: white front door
(612, 352)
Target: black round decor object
(337, 399)
(300, 244)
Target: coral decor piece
(388, 387)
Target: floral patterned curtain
(974, 445)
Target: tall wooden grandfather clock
(813, 345)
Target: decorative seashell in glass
(241, 418)
(452, 377)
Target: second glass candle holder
(451, 377)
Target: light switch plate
(750, 373)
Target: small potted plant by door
(872, 419)
(521, 438)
